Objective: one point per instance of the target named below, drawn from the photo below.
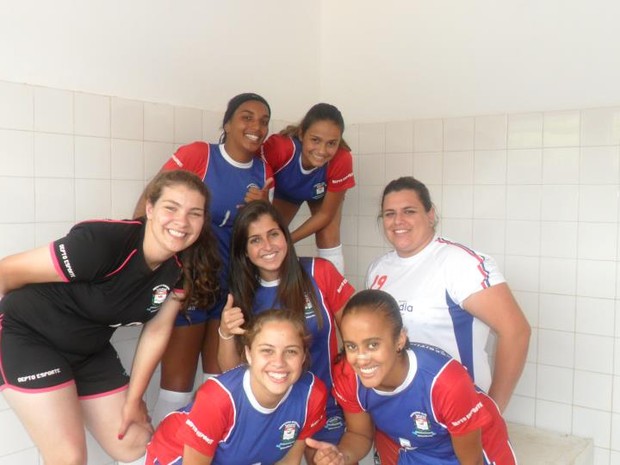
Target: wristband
(226, 338)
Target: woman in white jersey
(449, 295)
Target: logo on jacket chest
(289, 432)
(158, 296)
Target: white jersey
(430, 288)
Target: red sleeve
(336, 289)
(192, 157)
(346, 387)
(455, 401)
(317, 416)
(210, 419)
(277, 151)
(340, 172)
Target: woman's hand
(231, 320)
(134, 412)
(326, 453)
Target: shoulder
(108, 231)
(277, 146)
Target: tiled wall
(538, 191)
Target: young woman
(260, 412)
(234, 175)
(312, 163)
(267, 273)
(62, 304)
(417, 395)
(450, 295)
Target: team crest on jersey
(290, 431)
(160, 292)
(421, 427)
(318, 190)
(334, 422)
(308, 308)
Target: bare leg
(209, 348)
(329, 236)
(286, 209)
(102, 416)
(54, 421)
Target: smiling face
(266, 247)
(407, 225)
(275, 356)
(372, 349)
(174, 222)
(319, 143)
(246, 130)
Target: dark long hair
(295, 289)
(201, 261)
(319, 112)
(235, 102)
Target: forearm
(310, 226)
(510, 356)
(354, 447)
(227, 355)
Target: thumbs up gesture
(231, 320)
(326, 453)
(254, 193)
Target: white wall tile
(428, 167)
(371, 138)
(597, 241)
(599, 165)
(458, 134)
(48, 232)
(602, 456)
(370, 200)
(125, 195)
(558, 275)
(595, 316)
(92, 115)
(20, 191)
(399, 137)
(521, 410)
(372, 170)
(127, 119)
(555, 384)
(596, 278)
(92, 158)
(14, 436)
(592, 390)
(54, 200)
(522, 273)
(16, 153)
(600, 126)
(560, 203)
(490, 167)
(351, 136)
(490, 202)
(92, 199)
(595, 354)
(155, 155)
(24, 457)
(488, 235)
(490, 132)
(523, 238)
(127, 159)
(458, 167)
(561, 165)
(561, 129)
(457, 229)
(53, 110)
(457, 202)
(556, 348)
(17, 109)
(187, 125)
(16, 238)
(527, 383)
(598, 203)
(351, 202)
(524, 166)
(558, 239)
(397, 165)
(369, 232)
(528, 301)
(523, 202)
(554, 416)
(592, 423)
(428, 135)
(557, 312)
(525, 130)
(158, 122)
(212, 126)
(53, 155)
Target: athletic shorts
(29, 363)
(195, 316)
